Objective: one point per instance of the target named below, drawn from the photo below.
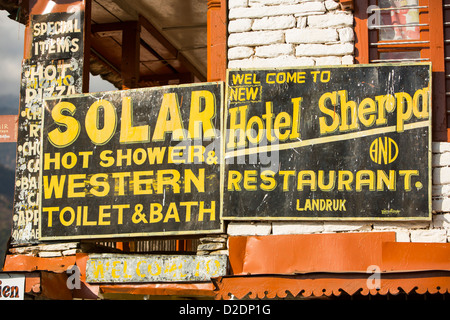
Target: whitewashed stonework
(293, 33)
(285, 33)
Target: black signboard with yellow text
(327, 143)
(53, 67)
(132, 163)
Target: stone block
(70, 252)
(441, 175)
(441, 159)
(441, 190)
(278, 62)
(431, 235)
(441, 221)
(213, 239)
(331, 20)
(240, 53)
(297, 227)
(225, 252)
(240, 25)
(441, 205)
(346, 60)
(237, 3)
(271, 11)
(50, 254)
(301, 22)
(402, 236)
(274, 23)
(440, 147)
(311, 35)
(331, 5)
(328, 61)
(274, 50)
(346, 34)
(317, 50)
(249, 229)
(211, 246)
(342, 226)
(255, 38)
(399, 225)
(272, 2)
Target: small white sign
(12, 286)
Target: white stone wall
(286, 33)
(289, 33)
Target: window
(395, 31)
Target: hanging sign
(8, 128)
(120, 268)
(328, 143)
(12, 286)
(132, 163)
(53, 68)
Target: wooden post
(87, 45)
(436, 21)
(130, 54)
(217, 40)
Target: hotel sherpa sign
(347, 142)
(132, 163)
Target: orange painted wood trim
(437, 56)
(29, 263)
(347, 4)
(286, 254)
(408, 256)
(162, 289)
(361, 32)
(54, 286)
(216, 40)
(327, 284)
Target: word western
(169, 121)
(123, 183)
(337, 114)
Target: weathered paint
(132, 163)
(308, 144)
(54, 67)
(118, 268)
(8, 128)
